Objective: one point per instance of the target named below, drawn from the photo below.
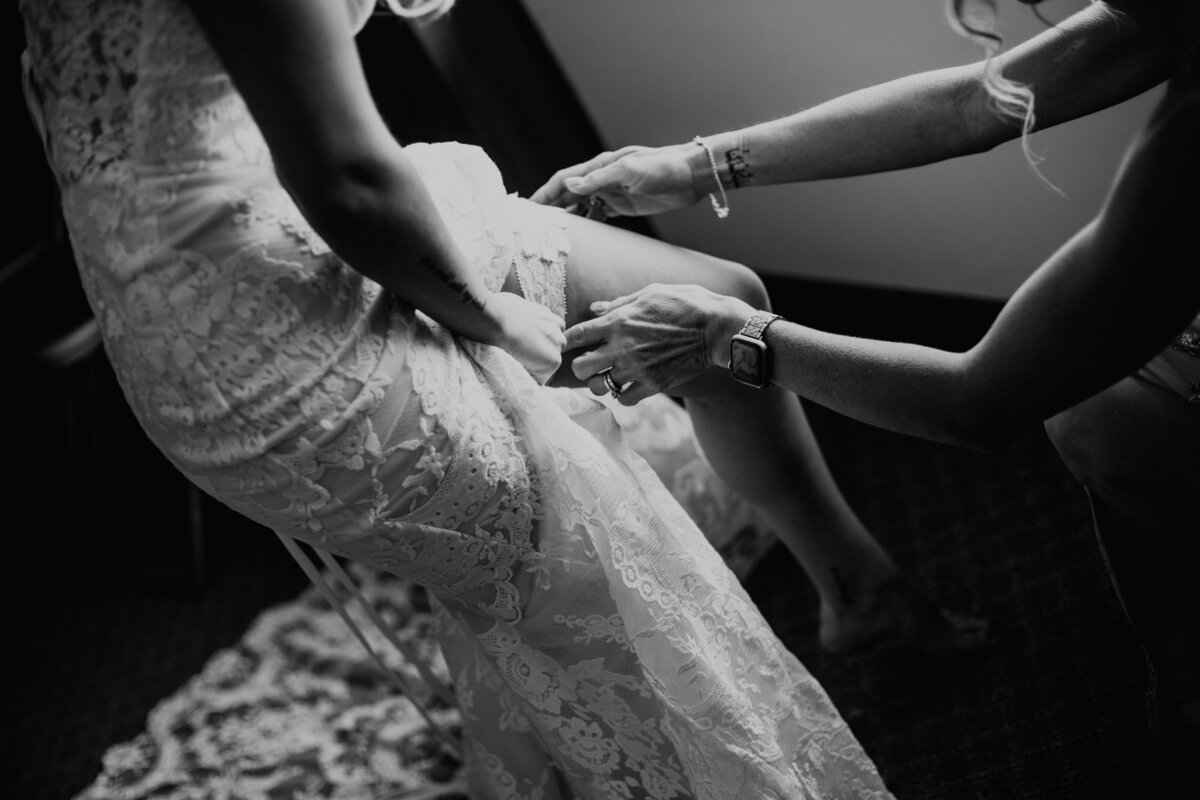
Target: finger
(601, 307)
(590, 363)
(601, 160)
(596, 385)
(554, 191)
(604, 179)
(636, 392)
(587, 333)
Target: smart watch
(749, 356)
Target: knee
(743, 283)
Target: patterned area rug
(298, 710)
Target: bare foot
(897, 615)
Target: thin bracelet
(720, 207)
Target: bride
(349, 341)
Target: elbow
(977, 417)
(328, 199)
(980, 432)
(340, 198)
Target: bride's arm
(296, 64)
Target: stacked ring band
(610, 384)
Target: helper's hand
(633, 181)
(530, 333)
(655, 339)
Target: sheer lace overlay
(599, 647)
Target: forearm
(903, 123)
(295, 64)
(1088, 62)
(381, 220)
(901, 387)
(1099, 308)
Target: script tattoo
(736, 159)
(457, 284)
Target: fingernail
(599, 306)
(573, 183)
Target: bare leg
(760, 443)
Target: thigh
(606, 262)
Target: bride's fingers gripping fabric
(533, 334)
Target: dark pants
(1136, 449)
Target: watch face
(747, 360)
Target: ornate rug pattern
(298, 710)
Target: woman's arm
(1103, 305)
(296, 65)
(1089, 62)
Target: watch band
(749, 355)
(756, 326)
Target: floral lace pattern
(298, 706)
(294, 709)
(293, 389)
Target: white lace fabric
(599, 647)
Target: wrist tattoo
(737, 161)
(453, 281)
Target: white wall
(660, 71)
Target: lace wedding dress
(598, 645)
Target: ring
(596, 209)
(613, 389)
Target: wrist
(750, 356)
(704, 182)
(491, 323)
(725, 325)
(731, 171)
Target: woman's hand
(530, 333)
(655, 339)
(633, 181)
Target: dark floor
(108, 614)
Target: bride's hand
(530, 333)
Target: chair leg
(196, 531)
